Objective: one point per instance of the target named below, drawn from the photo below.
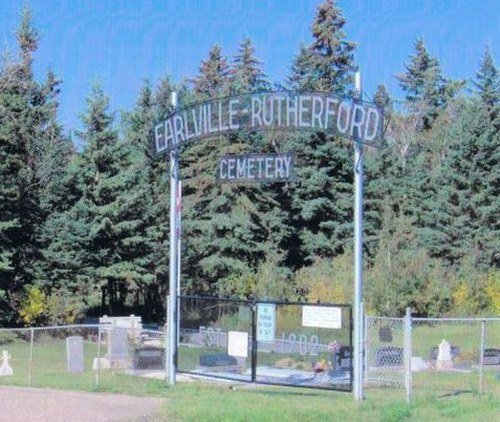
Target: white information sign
(266, 322)
(237, 344)
(321, 317)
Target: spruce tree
(327, 64)
(427, 91)
(299, 78)
(320, 204)
(20, 136)
(332, 56)
(487, 82)
(382, 98)
(246, 74)
(100, 245)
(213, 77)
(151, 106)
(470, 181)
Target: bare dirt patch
(19, 404)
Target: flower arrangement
(321, 366)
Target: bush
(33, 306)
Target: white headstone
(5, 368)
(74, 353)
(118, 343)
(444, 360)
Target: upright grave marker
(74, 353)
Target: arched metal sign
(283, 110)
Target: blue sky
(124, 41)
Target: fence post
(98, 370)
(30, 366)
(481, 357)
(408, 354)
(254, 342)
(365, 348)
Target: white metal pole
(178, 240)
(481, 357)
(30, 368)
(358, 251)
(172, 303)
(408, 354)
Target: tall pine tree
(427, 91)
(213, 78)
(246, 74)
(328, 63)
(487, 83)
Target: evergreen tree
(320, 204)
(333, 58)
(299, 78)
(101, 244)
(328, 63)
(487, 81)
(246, 75)
(427, 91)
(150, 107)
(161, 98)
(213, 78)
(53, 154)
(20, 129)
(382, 98)
(470, 181)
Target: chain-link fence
(81, 357)
(384, 352)
(441, 355)
(266, 342)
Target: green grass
(195, 402)
(49, 370)
(225, 402)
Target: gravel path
(18, 404)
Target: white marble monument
(444, 360)
(5, 368)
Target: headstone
(118, 343)
(5, 368)
(444, 360)
(491, 356)
(74, 354)
(149, 357)
(385, 334)
(217, 360)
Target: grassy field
(196, 402)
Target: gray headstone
(118, 344)
(74, 353)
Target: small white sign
(266, 322)
(237, 344)
(321, 317)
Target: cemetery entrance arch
(312, 111)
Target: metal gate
(281, 343)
